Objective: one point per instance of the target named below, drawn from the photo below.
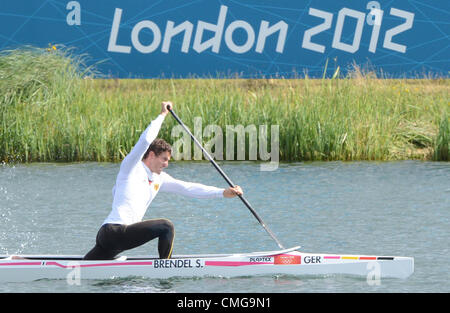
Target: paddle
(226, 178)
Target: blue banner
(248, 39)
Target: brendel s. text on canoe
(178, 263)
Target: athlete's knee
(167, 225)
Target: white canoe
(284, 262)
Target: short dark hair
(158, 146)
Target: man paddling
(139, 180)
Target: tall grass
(36, 86)
(52, 111)
(442, 142)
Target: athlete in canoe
(139, 180)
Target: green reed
(51, 110)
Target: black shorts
(113, 239)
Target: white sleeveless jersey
(136, 186)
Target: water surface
(387, 208)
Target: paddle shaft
(227, 179)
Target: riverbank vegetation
(52, 109)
